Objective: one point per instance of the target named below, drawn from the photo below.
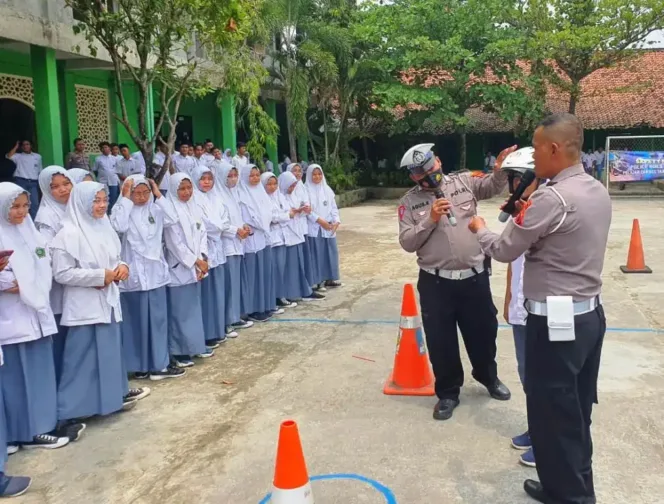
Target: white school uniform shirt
(49, 220)
(215, 218)
(27, 315)
(82, 250)
(323, 205)
(280, 213)
(240, 162)
(301, 196)
(516, 311)
(141, 229)
(207, 158)
(293, 234)
(105, 168)
(138, 157)
(256, 212)
(159, 159)
(131, 166)
(28, 166)
(233, 245)
(184, 164)
(186, 241)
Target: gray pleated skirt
(94, 379)
(186, 335)
(291, 279)
(258, 296)
(145, 330)
(3, 431)
(213, 296)
(29, 389)
(233, 272)
(59, 340)
(309, 265)
(325, 256)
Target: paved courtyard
(211, 436)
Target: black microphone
(438, 193)
(510, 207)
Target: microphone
(526, 179)
(450, 216)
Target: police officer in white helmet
(453, 282)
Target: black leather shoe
(499, 391)
(535, 490)
(444, 409)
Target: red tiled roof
(621, 97)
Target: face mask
(432, 179)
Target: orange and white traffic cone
(291, 480)
(636, 262)
(411, 375)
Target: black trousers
(561, 389)
(468, 303)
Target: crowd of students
(88, 299)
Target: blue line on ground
(396, 322)
(384, 491)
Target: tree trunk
(337, 143)
(574, 95)
(292, 137)
(463, 153)
(313, 148)
(327, 146)
(365, 148)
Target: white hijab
(227, 156)
(229, 196)
(78, 174)
(189, 214)
(300, 191)
(29, 262)
(144, 234)
(51, 212)
(211, 202)
(275, 198)
(287, 179)
(320, 195)
(255, 199)
(92, 242)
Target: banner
(635, 166)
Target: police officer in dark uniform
(564, 233)
(453, 282)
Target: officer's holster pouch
(560, 318)
(487, 264)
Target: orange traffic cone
(291, 480)
(412, 374)
(636, 262)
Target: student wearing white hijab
(296, 284)
(258, 298)
(80, 175)
(301, 196)
(27, 377)
(228, 156)
(233, 240)
(86, 260)
(56, 185)
(213, 287)
(140, 216)
(323, 224)
(281, 238)
(186, 255)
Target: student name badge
(151, 219)
(560, 318)
(41, 253)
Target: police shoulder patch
(402, 211)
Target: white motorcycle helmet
(520, 161)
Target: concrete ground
(211, 437)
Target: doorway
(17, 122)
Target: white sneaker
(232, 334)
(278, 311)
(11, 449)
(46, 441)
(136, 394)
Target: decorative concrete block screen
(93, 116)
(17, 88)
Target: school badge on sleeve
(41, 253)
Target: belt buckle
(457, 274)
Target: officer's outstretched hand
(476, 223)
(439, 208)
(501, 157)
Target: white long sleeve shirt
(144, 274)
(57, 290)
(314, 227)
(257, 241)
(216, 253)
(181, 260)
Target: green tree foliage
(578, 37)
(441, 58)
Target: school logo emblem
(151, 219)
(325, 203)
(418, 157)
(41, 253)
(198, 225)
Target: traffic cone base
(411, 374)
(635, 258)
(302, 495)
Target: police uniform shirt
(28, 166)
(564, 257)
(439, 245)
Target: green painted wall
(15, 63)
(206, 118)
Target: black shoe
(315, 296)
(444, 409)
(71, 430)
(141, 376)
(260, 317)
(169, 372)
(499, 391)
(535, 490)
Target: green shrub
(341, 176)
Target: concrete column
(47, 107)
(228, 127)
(302, 148)
(272, 154)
